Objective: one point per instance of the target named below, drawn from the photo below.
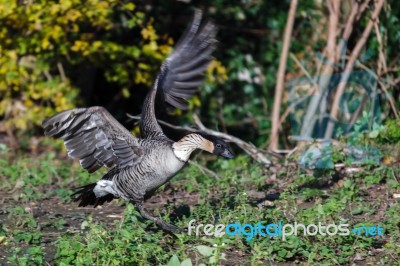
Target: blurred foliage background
(56, 55)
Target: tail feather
(87, 197)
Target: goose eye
(218, 145)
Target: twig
(47, 75)
(62, 72)
(249, 148)
(385, 87)
(389, 97)
(382, 61)
(273, 145)
(300, 65)
(292, 151)
(349, 67)
(244, 122)
(205, 170)
(363, 7)
(341, 50)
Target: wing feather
(181, 73)
(94, 137)
(185, 67)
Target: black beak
(228, 154)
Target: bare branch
(62, 72)
(332, 30)
(280, 77)
(355, 10)
(349, 67)
(341, 49)
(389, 97)
(363, 7)
(300, 65)
(385, 87)
(382, 66)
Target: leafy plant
(43, 42)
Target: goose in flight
(138, 166)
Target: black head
(220, 146)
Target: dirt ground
(52, 208)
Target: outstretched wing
(94, 137)
(183, 71)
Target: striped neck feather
(185, 146)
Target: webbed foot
(163, 225)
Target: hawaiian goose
(141, 165)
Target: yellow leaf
(56, 32)
(143, 66)
(96, 44)
(196, 101)
(28, 103)
(73, 15)
(165, 49)
(54, 9)
(45, 43)
(129, 6)
(145, 33)
(126, 93)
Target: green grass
(39, 224)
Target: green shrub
(41, 42)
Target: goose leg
(165, 226)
